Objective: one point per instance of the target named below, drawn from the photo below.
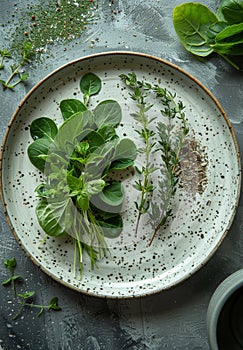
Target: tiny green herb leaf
(90, 84)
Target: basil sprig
(79, 196)
(202, 32)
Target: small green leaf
(41, 312)
(121, 164)
(43, 128)
(37, 152)
(10, 263)
(7, 281)
(53, 305)
(26, 295)
(112, 194)
(107, 112)
(71, 106)
(125, 149)
(24, 76)
(90, 84)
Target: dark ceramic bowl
(225, 314)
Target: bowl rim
(222, 293)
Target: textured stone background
(175, 319)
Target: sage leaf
(107, 112)
(125, 149)
(112, 194)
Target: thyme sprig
(144, 185)
(17, 68)
(170, 141)
(4, 54)
(24, 299)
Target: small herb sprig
(16, 69)
(4, 54)
(24, 298)
(171, 139)
(144, 185)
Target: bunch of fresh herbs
(79, 197)
(170, 139)
(203, 32)
(24, 299)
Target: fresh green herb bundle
(203, 32)
(79, 196)
(167, 142)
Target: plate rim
(180, 70)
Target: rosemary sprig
(144, 185)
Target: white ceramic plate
(200, 220)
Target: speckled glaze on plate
(200, 221)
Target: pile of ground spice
(193, 167)
(52, 22)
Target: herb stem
(15, 72)
(233, 64)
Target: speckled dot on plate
(200, 220)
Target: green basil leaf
(191, 22)
(231, 11)
(38, 151)
(107, 112)
(90, 84)
(55, 217)
(230, 40)
(43, 128)
(71, 106)
(214, 30)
